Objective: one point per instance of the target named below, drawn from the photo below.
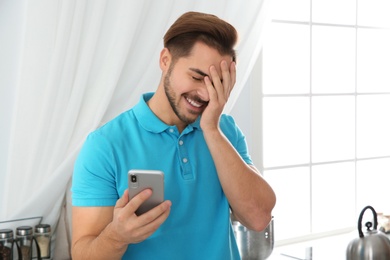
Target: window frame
(257, 126)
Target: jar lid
(6, 233)
(24, 231)
(42, 228)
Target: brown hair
(192, 27)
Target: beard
(170, 93)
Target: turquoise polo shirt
(198, 226)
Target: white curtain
(70, 65)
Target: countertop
(329, 248)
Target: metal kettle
(373, 245)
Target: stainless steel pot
(373, 245)
(253, 244)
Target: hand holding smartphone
(140, 180)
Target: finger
(155, 212)
(210, 89)
(122, 201)
(226, 79)
(233, 73)
(138, 199)
(153, 220)
(216, 82)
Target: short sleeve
(93, 181)
(236, 137)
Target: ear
(165, 59)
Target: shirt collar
(150, 122)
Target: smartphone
(140, 180)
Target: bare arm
(249, 195)
(105, 232)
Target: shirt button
(171, 130)
(181, 142)
(185, 160)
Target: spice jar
(24, 239)
(43, 238)
(6, 244)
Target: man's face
(184, 82)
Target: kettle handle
(361, 218)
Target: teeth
(192, 102)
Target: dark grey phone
(140, 180)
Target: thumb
(122, 201)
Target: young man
(180, 130)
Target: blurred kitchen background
(313, 100)
(323, 138)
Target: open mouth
(194, 103)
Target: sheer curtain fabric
(72, 65)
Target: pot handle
(361, 218)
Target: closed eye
(197, 79)
(199, 74)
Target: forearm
(249, 195)
(98, 247)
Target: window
(325, 109)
